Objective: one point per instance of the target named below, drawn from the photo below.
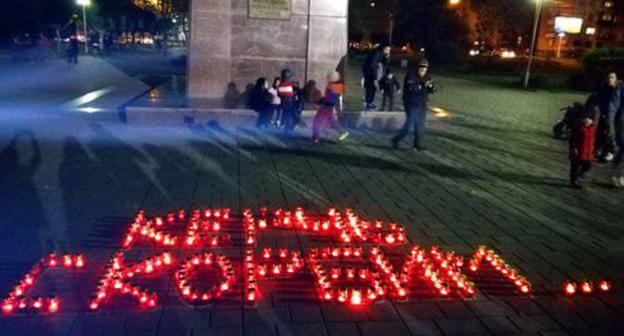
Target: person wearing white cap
(416, 89)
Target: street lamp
(538, 12)
(84, 4)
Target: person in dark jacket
(286, 91)
(389, 85)
(300, 102)
(260, 101)
(605, 102)
(582, 141)
(72, 51)
(372, 72)
(618, 123)
(416, 89)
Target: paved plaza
(492, 175)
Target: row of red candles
(441, 269)
(17, 300)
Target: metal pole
(538, 10)
(560, 37)
(86, 34)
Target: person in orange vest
(327, 106)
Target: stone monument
(237, 41)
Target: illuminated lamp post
(560, 37)
(538, 12)
(84, 4)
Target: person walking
(416, 89)
(73, 51)
(327, 108)
(389, 85)
(618, 161)
(605, 102)
(582, 140)
(372, 72)
(286, 91)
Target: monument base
(234, 42)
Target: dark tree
(433, 25)
(370, 24)
(500, 22)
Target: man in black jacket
(416, 89)
(605, 102)
(372, 71)
(618, 123)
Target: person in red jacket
(327, 106)
(582, 144)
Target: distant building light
(569, 25)
(590, 31)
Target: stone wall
(228, 46)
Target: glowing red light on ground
(569, 288)
(17, 300)
(604, 286)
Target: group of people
(597, 132)
(281, 103)
(378, 75)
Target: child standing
(582, 140)
(389, 85)
(276, 103)
(325, 113)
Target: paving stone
(266, 316)
(601, 320)
(338, 313)
(306, 313)
(418, 311)
(490, 308)
(462, 326)
(382, 312)
(571, 322)
(305, 329)
(182, 331)
(19, 325)
(423, 327)
(455, 309)
(500, 325)
(218, 331)
(97, 324)
(373, 328)
(342, 328)
(268, 330)
(535, 323)
(226, 317)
